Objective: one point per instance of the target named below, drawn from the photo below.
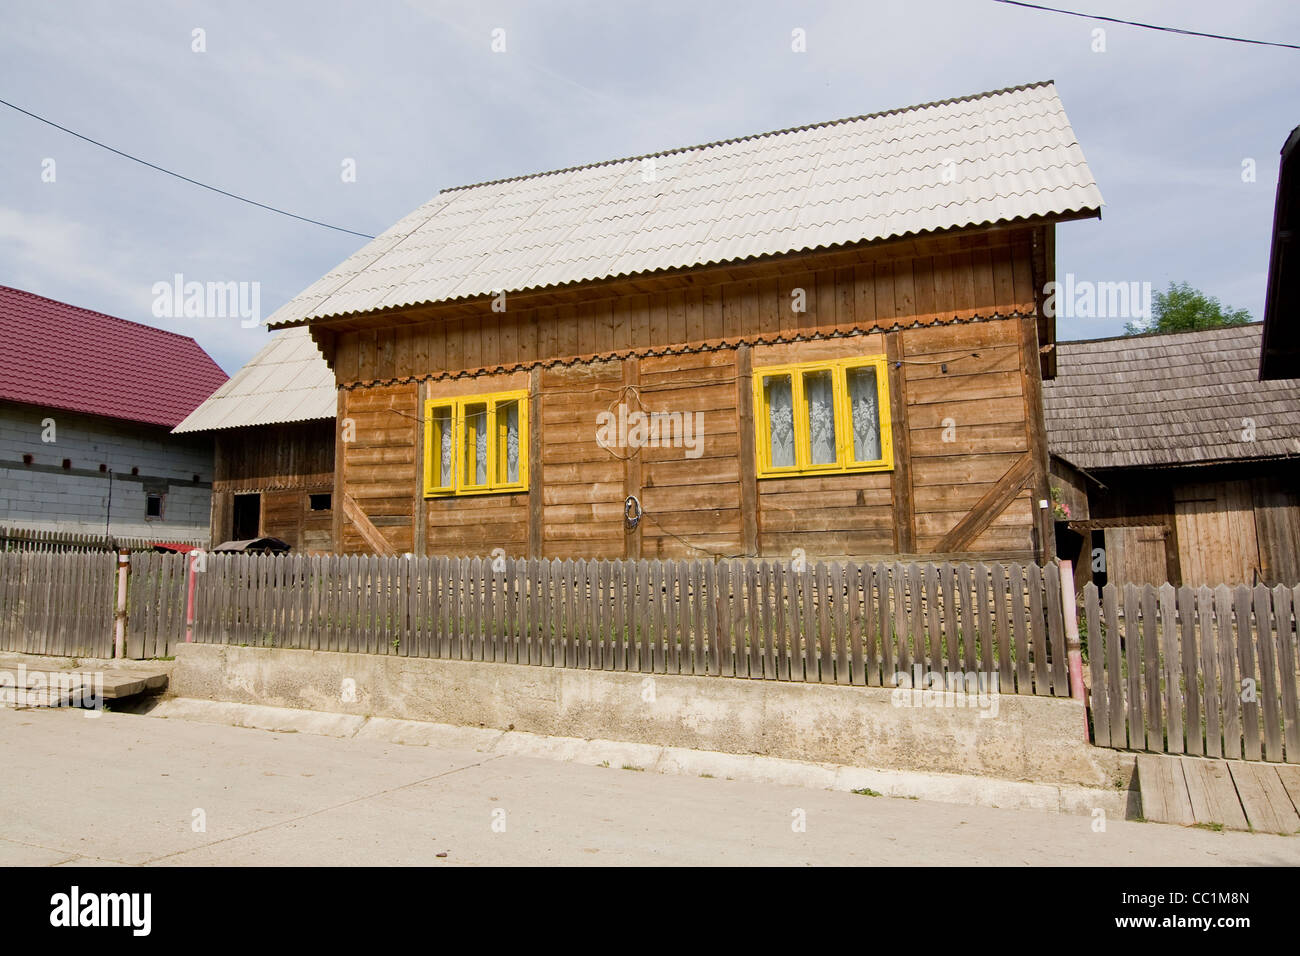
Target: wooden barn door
(1217, 543)
(1136, 555)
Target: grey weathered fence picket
(57, 603)
(845, 623)
(29, 539)
(1201, 671)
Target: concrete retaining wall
(1030, 738)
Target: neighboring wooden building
(1175, 461)
(821, 342)
(87, 403)
(273, 429)
(1279, 355)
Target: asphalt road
(122, 789)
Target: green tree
(1184, 309)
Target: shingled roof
(59, 356)
(992, 157)
(287, 381)
(1178, 399)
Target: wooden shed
(273, 430)
(819, 342)
(1176, 463)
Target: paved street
(123, 789)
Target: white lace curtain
(821, 416)
(780, 404)
(444, 447)
(511, 414)
(864, 400)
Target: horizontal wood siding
(696, 499)
(582, 491)
(967, 429)
(606, 350)
(267, 457)
(379, 467)
(943, 277)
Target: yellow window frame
(843, 414)
(462, 433)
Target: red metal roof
(59, 356)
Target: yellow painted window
(823, 418)
(476, 445)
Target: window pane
(475, 452)
(780, 415)
(442, 448)
(821, 416)
(864, 400)
(507, 415)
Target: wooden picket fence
(1199, 671)
(29, 539)
(833, 623)
(57, 603)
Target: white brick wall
(61, 501)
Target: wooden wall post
(340, 486)
(900, 479)
(632, 463)
(1036, 427)
(748, 449)
(535, 483)
(419, 515)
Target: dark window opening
(321, 502)
(67, 464)
(153, 506)
(247, 517)
(27, 459)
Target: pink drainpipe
(1074, 649)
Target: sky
(284, 98)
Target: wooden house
(1176, 463)
(272, 427)
(87, 404)
(820, 342)
(1279, 355)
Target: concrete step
(47, 682)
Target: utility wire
(195, 182)
(1148, 26)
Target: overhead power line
(1148, 26)
(195, 182)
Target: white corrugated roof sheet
(287, 381)
(987, 158)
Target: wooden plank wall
(698, 499)
(379, 471)
(971, 375)
(966, 414)
(285, 464)
(582, 488)
(959, 276)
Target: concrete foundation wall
(1028, 738)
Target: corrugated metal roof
(991, 157)
(61, 356)
(1185, 398)
(287, 381)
